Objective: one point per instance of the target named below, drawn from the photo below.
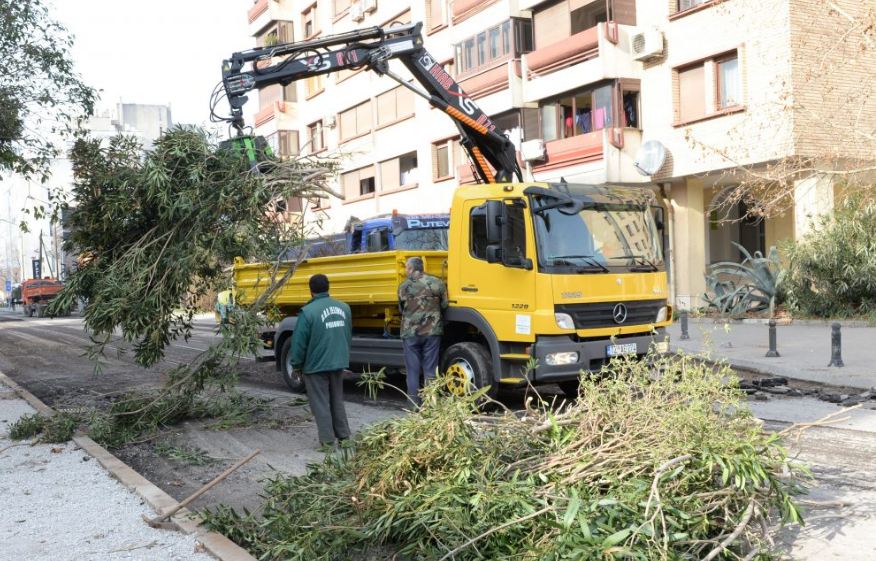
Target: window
(560, 20)
(358, 183)
(314, 85)
(514, 236)
(407, 169)
(708, 87)
(494, 45)
(436, 13)
(269, 95)
(729, 86)
(341, 6)
(577, 113)
(355, 121)
(631, 109)
(309, 22)
(315, 137)
(399, 172)
(290, 92)
(394, 105)
(478, 228)
(442, 160)
(688, 4)
(279, 33)
(287, 144)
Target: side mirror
(494, 253)
(495, 220)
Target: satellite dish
(650, 157)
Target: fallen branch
(456, 550)
(746, 518)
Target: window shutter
(386, 107)
(551, 25)
(389, 174)
(404, 102)
(692, 93)
(436, 13)
(350, 181)
(363, 117)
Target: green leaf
(616, 537)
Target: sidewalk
(60, 504)
(804, 350)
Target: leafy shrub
(832, 271)
(27, 426)
(55, 429)
(753, 285)
(658, 461)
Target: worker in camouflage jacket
(422, 299)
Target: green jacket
(321, 340)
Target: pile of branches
(657, 461)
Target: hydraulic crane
(492, 154)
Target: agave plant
(753, 285)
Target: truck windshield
(424, 239)
(598, 239)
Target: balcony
(580, 46)
(463, 9)
(595, 54)
(278, 115)
(264, 12)
(603, 156)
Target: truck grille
(601, 314)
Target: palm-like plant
(753, 285)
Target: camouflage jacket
(422, 298)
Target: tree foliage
(155, 230)
(832, 271)
(42, 98)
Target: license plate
(620, 350)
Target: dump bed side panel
(364, 278)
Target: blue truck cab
(399, 231)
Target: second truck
(545, 280)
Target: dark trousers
(325, 392)
(421, 357)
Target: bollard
(836, 346)
(684, 334)
(773, 352)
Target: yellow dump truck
(568, 275)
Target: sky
(138, 51)
(155, 51)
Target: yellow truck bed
(368, 280)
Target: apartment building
(578, 86)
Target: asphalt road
(48, 357)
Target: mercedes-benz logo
(619, 313)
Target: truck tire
(467, 366)
(570, 387)
(293, 378)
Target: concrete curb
(185, 521)
(851, 323)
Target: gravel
(58, 504)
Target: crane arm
(373, 48)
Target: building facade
(578, 86)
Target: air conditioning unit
(329, 121)
(357, 12)
(369, 6)
(646, 45)
(533, 150)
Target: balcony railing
(580, 46)
(491, 80)
(268, 112)
(578, 149)
(257, 9)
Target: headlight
(564, 321)
(662, 314)
(557, 359)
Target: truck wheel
(467, 366)
(570, 388)
(293, 378)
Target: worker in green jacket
(321, 350)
